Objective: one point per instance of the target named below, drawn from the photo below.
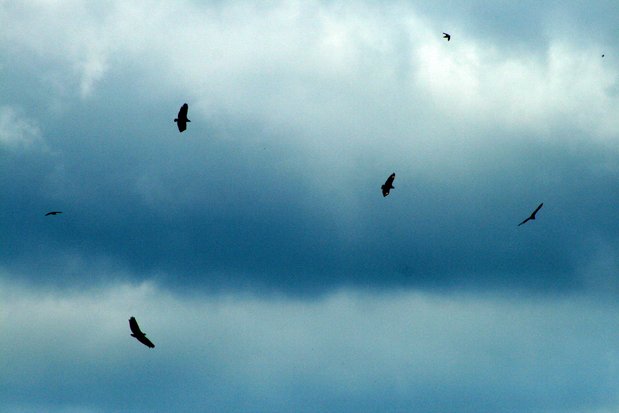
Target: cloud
(17, 131)
(349, 351)
(300, 111)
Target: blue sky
(255, 248)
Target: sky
(255, 249)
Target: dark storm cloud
(203, 212)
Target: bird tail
(175, 120)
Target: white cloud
(297, 62)
(333, 76)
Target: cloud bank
(407, 351)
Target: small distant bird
(137, 333)
(533, 214)
(446, 36)
(53, 213)
(388, 185)
(181, 120)
(602, 55)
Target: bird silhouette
(446, 36)
(53, 213)
(532, 215)
(137, 333)
(388, 185)
(181, 120)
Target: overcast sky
(255, 249)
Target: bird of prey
(53, 213)
(533, 214)
(446, 36)
(181, 120)
(388, 184)
(137, 333)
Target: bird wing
(524, 221)
(182, 113)
(391, 178)
(144, 340)
(182, 125)
(537, 209)
(135, 328)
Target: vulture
(137, 333)
(446, 36)
(181, 120)
(532, 215)
(388, 184)
(53, 213)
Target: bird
(137, 333)
(602, 55)
(181, 120)
(446, 36)
(53, 213)
(533, 214)
(388, 185)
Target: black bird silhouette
(602, 55)
(388, 184)
(533, 214)
(446, 36)
(137, 333)
(181, 120)
(53, 213)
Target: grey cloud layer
(346, 352)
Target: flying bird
(53, 213)
(388, 184)
(602, 55)
(533, 214)
(446, 36)
(137, 333)
(181, 120)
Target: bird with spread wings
(138, 334)
(181, 120)
(532, 216)
(388, 186)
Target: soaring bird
(137, 333)
(53, 213)
(388, 184)
(181, 120)
(446, 36)
(533, 214)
